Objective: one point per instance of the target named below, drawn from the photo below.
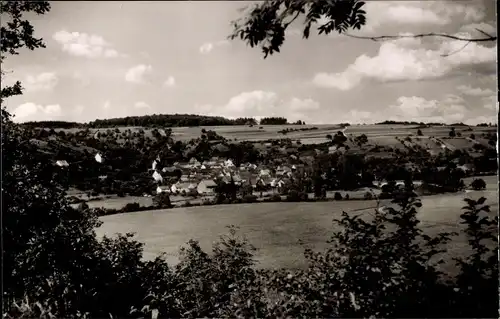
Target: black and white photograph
(249, 159)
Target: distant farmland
(383, 135)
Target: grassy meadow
(277, 229)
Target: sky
(113, 59)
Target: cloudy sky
(113, 59)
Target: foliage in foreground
(383, 266)
(55, 266)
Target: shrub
(249, 199)
(478, 184)
(131, 207)
(275, 198)
(368, 196)
(207, 202)
(162, 200)
(295, 196)
(337, 196)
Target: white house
(163, 189)
(98, 158)
(62, 163)
(206, 186)
(157, 177)
(228, 163)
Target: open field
(276, 228)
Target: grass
(276, 228)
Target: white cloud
(255, 102)
(137, 74)
(141, 105)
(209, 46)
(206, 48)
(418, 109)
(406, 61)
(468, 90)
(448, 109)
(483, 26)
(42, 82)
(84, 80)
(260, 104)
(84, 45)
(482, 119)
(490, 102)
(384, 15)
(303, 105)
(169, 82)
(35, 112)
(78, 110)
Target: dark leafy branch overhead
(17, 33)
(266, 22)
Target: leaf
(306, 31)
(481, 201)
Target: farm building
(206, 186)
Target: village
(200, 178)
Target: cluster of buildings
(202, 177)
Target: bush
(337, 196)
(385, 195)
(295, 196)
(207, 202)
(131, 207)
(478, 184)
(249, 199)
(368, 196)
(162, 200)
(275, 198)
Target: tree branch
(423, 35)
(293, 19)
(456, 51)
